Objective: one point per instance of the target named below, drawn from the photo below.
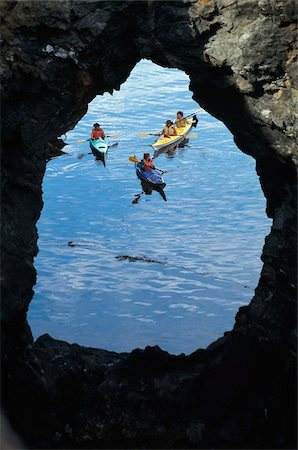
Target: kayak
(99, 148)
(170, 150)
(163, 142)
(152, 177)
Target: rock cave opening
(241, 58)
(199, 270)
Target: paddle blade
(133, 159)
(193, 135)
(143, 134)
(80, 141)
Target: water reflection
(209, 235)
(99, 156)
(147, 189)
(171, 150)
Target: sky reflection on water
(207, 237)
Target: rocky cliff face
(241, 58)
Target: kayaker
(180, 121)
(169, 129)
(97, 132)
(146, 163)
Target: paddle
(149, 134)
(80, 141)
(80, 156)
(113, 134)
(136, 160)
(133, 159)
(159, 133)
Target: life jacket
(170, 131)
(97, 134)
(146, 165)
(181, 122)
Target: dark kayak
(152, 177)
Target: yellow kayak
(163, 142)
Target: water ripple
(208, 236)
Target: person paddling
(169, 129)
(97, 132)
(146, 163)
(180, 120)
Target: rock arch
(241, 59)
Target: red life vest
(147, 165)
(97, 133)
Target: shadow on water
(99, 156)
(171, 151)
(102, 156)
(147, 190)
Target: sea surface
(118, 269)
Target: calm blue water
(207, 236)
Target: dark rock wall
(241, 58)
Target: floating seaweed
(138, 258)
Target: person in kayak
(180, 121)
(146, 163)
(97, 132)
(169, 129)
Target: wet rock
(55, 148)
(240, 57)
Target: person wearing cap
(97, 132)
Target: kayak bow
(99, 148)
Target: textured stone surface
(241, 58)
